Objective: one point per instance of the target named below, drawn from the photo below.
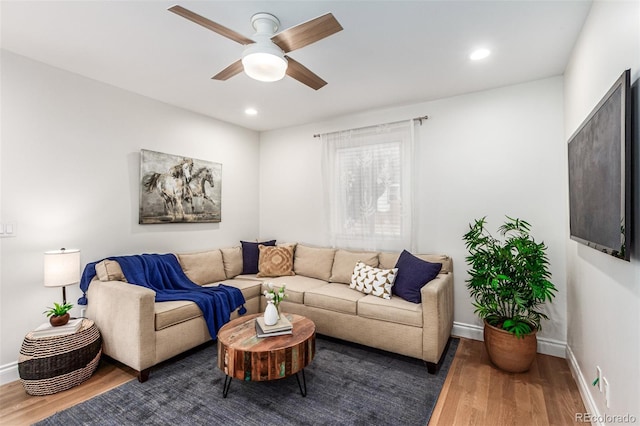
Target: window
(368, 182)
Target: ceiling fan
(264, 57)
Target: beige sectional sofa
(140, 332)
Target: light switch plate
(7, 230)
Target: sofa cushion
(389, 260)
(333, 297)
(313, 262)
(250, 277)
(344, 262)
(174, 312)
(232, 259)
(396, 310)
(413, 274)
(249, 288)
(375, 281)
(250, 255)
(275, 261)
(109, 270)
(203, 267)
(296, 288)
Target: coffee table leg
(226, 386)
(304, 384)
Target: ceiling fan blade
(209, 24)
(230, 71)
(306, 33)
(305, 76)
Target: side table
(53, 364)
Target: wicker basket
(52, 364)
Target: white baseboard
(545, 345)
(583, 388)
(9, 373)
(552, 347)
(470, 331)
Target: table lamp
(62, 268)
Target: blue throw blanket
(163, 274)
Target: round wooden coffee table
(244, 356)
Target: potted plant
(509, 281)
(59, 314)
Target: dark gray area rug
(347, 384)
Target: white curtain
(368, 181)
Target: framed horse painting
(175, 189)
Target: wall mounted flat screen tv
(600, 174)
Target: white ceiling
(390, 52)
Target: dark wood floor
(474, 393)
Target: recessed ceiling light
(478, 54)
(251, 111)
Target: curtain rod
(420, 119)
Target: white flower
(274, 293)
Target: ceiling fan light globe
(264, 66)
(264, 62)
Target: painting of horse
(199, 189)
(176, 189)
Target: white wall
(603, 292)
(69, 177)
(492, 153)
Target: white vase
(270, 313)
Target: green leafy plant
(58, 310)
(509, 277)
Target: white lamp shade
(61, 267)
(264, 63)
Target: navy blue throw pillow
(251, 254)
(413, 274)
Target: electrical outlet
(607, 391)
(599, 377)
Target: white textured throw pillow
(375, 281)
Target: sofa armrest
(125, 315)
(437, 316)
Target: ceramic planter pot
(57, 321)
(508, 352)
